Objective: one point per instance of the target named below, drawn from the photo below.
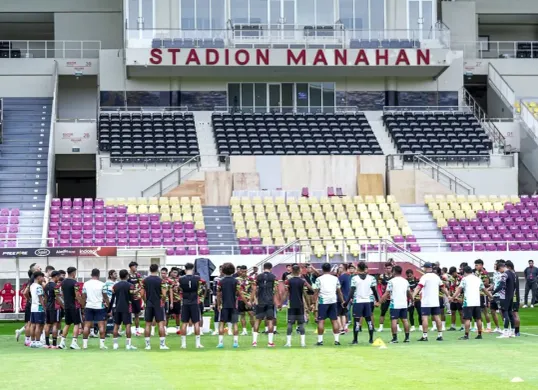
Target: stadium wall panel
(62, 6)
(245, 181)
(126, 182)
(218, 188)
(460, 18)
(25, 86)
(106, 27)
(497, 108)
(77, 97)
(365, 100)
(270, 177)
(506, 7)
(81, 135)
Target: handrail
(279, 251)
(504, 90)
(52, 49)
(419, 109)
(51, 180)
(1, 120)
(285, 109)
(456, 161)
(177, 171)
(148, 109)
(494, 133)
(437, 172)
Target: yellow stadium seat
(259, 208)
(362, 207)
(242, 234)
(459, 214)
(177, 209)
(267, 241)
(121, 202)
(313, 200)
(394, 231)
(165, 217)
(364, 215)
(355, 223)
(504, 198)
(472, 198)
(198, 225)
(301, 234)
(406, 231)
(130, 201)
(307, 216)
(514, 199)
(309, 224)
(279, 241)
(487, 206)
(302, 200)
(493, 198)
(437, 214)
(270, 208)
(246, 208)
(254, 233)
(244, 200)
(268, 200)
(348, 232)
(280, 200)
(144, 210)
(313, 233)
(284, 216)
(455, 206)
(476, 206)
(338, 208)
(132, 209)
(234, 200)
(372, 207)
(383, 232)
(428, 199)
(375, 215)
(372, 232)
(498, 206)
(439, 198)
(350, 207)
(344, 223)
(451, 198)
(154, 201)
(141, 200)
(153, 209)
(368, 223)
(369, 199)
(110, 202)
(465, 206)
(164, 201)
(260, 216)
(433, 206)
(379, 199)
(391, 223)
(251, 225)
(448, 214)
(402, 223)
(188, 217)
(326, 207)
(398, 214)
(304, 208)
(256, 200)
(177, 217)
(461, 198)
(249, 217)
(173, 200)
(482, 198)
(293, 208)
(444, 206)
(319, 250)
(387, 215)
(395, 207)
(391, 199)
(358, 199)
(265, 225)
(324, 233)
(470, 214)
(384, 207)
(355, 250)
(285, 224)
(280, 208)
(331, 250)
(378, 223)
(198, 217)
(277, 233)
(335, 200)
(164, 209)
(324, 200)
(346, 200)
(441, 223)
(353, 215)
(196, 200)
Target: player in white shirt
(430, 284)
(471, 286)
(327, 292)
(37, 316)
(363, 286)
(400, 296)
(95, 303)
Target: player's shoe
(148, 347)
(443, 329)
(137, 333)
(302, 345)
(478, 337)
(474, 329)
(74, 346)
(131, 348)
(525, 306)
(254, 344)
(183, 347)
(412, 329)
(287, 345)
(355, 342)
(407, 341)
(440, 338)
(504, 336)
(115, 347)
(464, 337)
(393, 341)
(423, 339)
(270, 345)
(497, 330)
(337, 343)
(200, 346)
(487, 330)
(452, 329)
(244, 332)
(220, 346)
(61, 346)
(215, 333)
(164, 347)
(93, 335)
(103, 347)
(18, 334)
(319, 343)
(235, 345)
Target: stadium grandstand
(350, 154)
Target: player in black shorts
(506, 291)
(415, 304)
(52, 314)
(122, 299)
(27, 329)
(154, 293)
(71, 295)
(455, 304)
(228, 290)
(515, 305)
(264, 296)
(136, 280)
(190, 286)
(383, 280)
(175, 309)
(296, 288)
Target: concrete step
(219, 229)
(22, 205)
(13, 177)
(23, 170)
(226, 236)
(22, 191)
(218, 220)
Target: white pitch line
(529, 334)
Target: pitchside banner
(59, 252)
(286, 57)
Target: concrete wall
(497, 108)
(489, 181)
(25, 86)
(127, 182)
(460, 17)
(62, 6)
(409, 186)
(506, 7)
(77, 97)
(70, 135)
(508, 32)
(106, 27)
(511, 132)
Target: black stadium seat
(148, 136)
(293, 134)
(440, 134)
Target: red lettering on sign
(423, 57)
(402, 57)
(211, 56)
(262, 56)
(174, 55)
(320, 58)
(156, 56)
(292, 59)
(340, 57)
(362, 58)
(381, 55)
(192, 57)
(242, 57)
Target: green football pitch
(490, 363)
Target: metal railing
(442, 176)
(530, 121)
(494, 134)
(419, 109)
(282, 34)
(52, 49)
(176, 177)
(109, 162)
(286, 109)
(51, 171)
(397, 161)
(75, 120)
(445, 246)
(501, 86)
(497, 49)
(138, 109)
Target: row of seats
(437, 133)
(527, 50)
(276, 133)
(384, 44)
(311, 200)
(181, 43)
(9, 227)
(148, 136)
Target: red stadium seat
(8, 296)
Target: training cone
(378, 343)
(516, 380)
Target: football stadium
(206, 194)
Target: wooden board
(218, 188)
(246, 181)
(242, 164)
(189, 188)
(370, 184)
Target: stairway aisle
(220, 230)
(385, 141)
(206, 140)
(424, 228)
(23, 163)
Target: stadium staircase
(378, 127)
(23, 161)
(206, 140)
(424, 228)
(221, 236)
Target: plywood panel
(425, 185)
(218, 188)
(402, 186)
(242, 164)
(370, 184)
(319, 172)
(246, 181)
(373, 164)
(189, 188)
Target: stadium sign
(284, 57)
(59, 252)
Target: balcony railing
(497, 49)
(50, 49)
(288, 36)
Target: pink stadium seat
(203, 250)
(179, 242)
(168, 242)
(170, 251)
(330, 191)
(66, 202)
(56, 202)
(304, 192)
(87, 242)
(192, 251)
(188, 225)
(181, 251)
(245, 250)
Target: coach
(531, 274)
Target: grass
(475, 364)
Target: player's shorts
(384, 308)
(124, 318)
(62, 314)
(342, 311)
(37, 317)
(242, 307)
(362, 310)
(327, 310)
(228, 315)
(397, 314)
(430, 311)
(455, 306)
(515, 307)
(506, 304)
(154, 313)
(483, 301)
(190, 313)
(494, 305)
(136, 306)
(94, 315)
(27, 312)
(73, 317)
(52, 316)
(265, 312)
(176, 308)
(472, 312)
(296, 315)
